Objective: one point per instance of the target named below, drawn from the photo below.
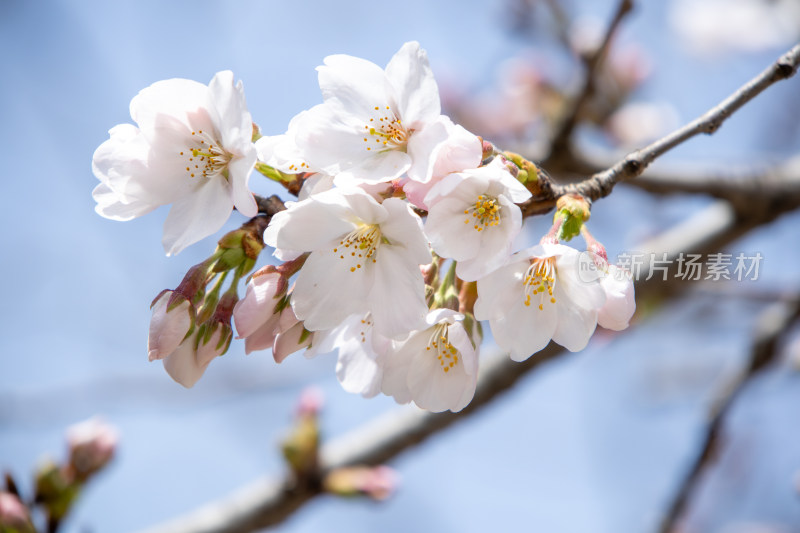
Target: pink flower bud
(256, 315)
(310, 402)
(173, 316)
(14, 516)
(92, 444)
(377, 483)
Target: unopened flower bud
(240, 248)
(172, 319)
(92, 444)
(301, 447)
(14, 516)
(572, 210)
(377, 482)
(257, 315)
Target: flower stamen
(207, 158)
(540, 277)
(362, 243)
(387, 131)
(485, 212)
(439, 342)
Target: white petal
(239, 170)
(403, 228)
(620, 301)
(356, 84)
(197, 216)
(235, 124)
(416, 90)
(575, 326)
(397, 298)
(311, 224)
(327, 292)
(110, 205)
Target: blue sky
(581, 446)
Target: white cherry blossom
(368, 128)
(365, 257)
(473, 218)
(538, 296)
(616, 313)
(436, 367)
(192, 149)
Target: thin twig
(268, 502)
(602, 183)
(772, 325)
(559, 146)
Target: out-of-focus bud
(14, 516)
(301, 447)
(487, 149)
(572, 210)
(92, 444)
(172, 319)
(54, 491)
(378, 482)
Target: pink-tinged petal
(415, 87)
(310, 224)
(397, 298)
(403, 228)
(182, 365)
(215, 346)
(620, 303)
(110, 205)
(327, 292)
(197, 216)
(235, 124)
(356, 84)
(167, 327)
(239, 170)
(258, 304)
(575, 326)
(441, 148)
(289, 342)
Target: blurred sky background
(593, 443)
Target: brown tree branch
(268, 502)
(559, 145)
(602, 183)
(772, 325)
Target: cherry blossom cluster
(400, 243)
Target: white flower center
(385, 131)
(540, 277)
(485, 213)
(205, 156)
(439, 342)
(360, 245)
